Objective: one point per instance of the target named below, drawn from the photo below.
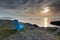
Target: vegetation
(5, 32)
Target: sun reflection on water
(45, 22)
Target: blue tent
(18, 26)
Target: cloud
(12, 4)
(24, 5)
(56, 5)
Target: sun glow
(45, 10)
(45, 22)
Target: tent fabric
(18, 26)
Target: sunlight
(45, 22)
(45, 10)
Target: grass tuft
(5, 32)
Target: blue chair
(18, 26)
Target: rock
(52, 28)
(35, 26)
(6, 23)
(58, 31)
(35, 34)
(57, 23)
(28, 24)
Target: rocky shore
(31, 32)
(34, 34)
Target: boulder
(58, 31)
(35, 26)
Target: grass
(58, 36)
(5, 32)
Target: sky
(28, 8)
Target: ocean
(40, 21)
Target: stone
(35, 34)
(58, 31)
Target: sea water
(40, 21)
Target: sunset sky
(25, 7)
(22, 9)
(33, 11)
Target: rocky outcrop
(31, 34)
(52, 28)
(6, 23)
(58, 31)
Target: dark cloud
(12, 4)
(56, 5)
